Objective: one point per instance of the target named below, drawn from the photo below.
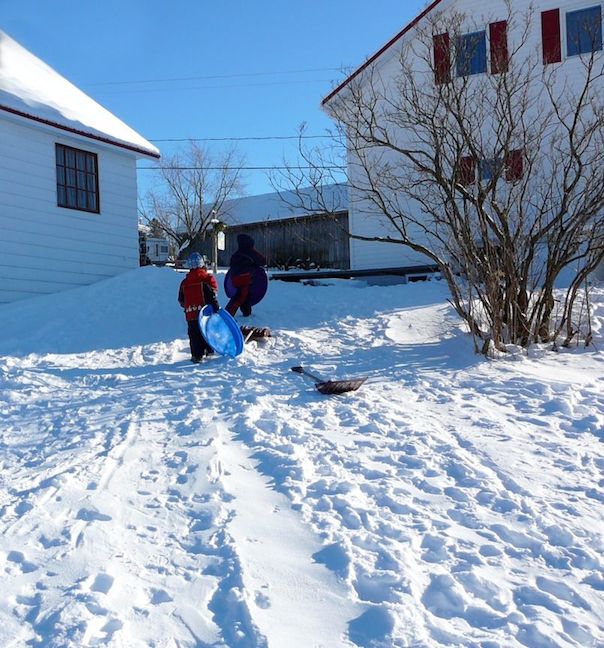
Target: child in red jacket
(196, 290)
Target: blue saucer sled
(221, 331)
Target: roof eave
(82, 133)
(387, 46)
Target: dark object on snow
(255, 332)
(332, 386)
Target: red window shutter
(442, 58)
(550, 36)
(514, 165)
(498, 36)
(466, 171)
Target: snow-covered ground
(146, 501)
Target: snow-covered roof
(32, 89)
(278, 206)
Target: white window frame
(564, 33)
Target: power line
(213, 76)
(240, 139)
(243, 168)
(210, 87)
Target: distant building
(289, 236)
(153, 250)
(68, 194)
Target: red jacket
(196, 290)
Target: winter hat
(195, 260)
(245, 242)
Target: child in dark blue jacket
(243, 266)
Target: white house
(68, 188)
(557, 36)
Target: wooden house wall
(310, 241)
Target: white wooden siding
(363, 254)
(46, 248)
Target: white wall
(45, 248)
(478, 14)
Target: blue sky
(195, 69)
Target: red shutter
(442, 58)
(514, 165)
(466, 172)
(550, 36)
(498, 36)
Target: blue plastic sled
(221, 331)
(257, 290)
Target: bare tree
(497, 178)
(191, 191)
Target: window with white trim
(471, 54)
(584, 31)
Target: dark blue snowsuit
(243, 265)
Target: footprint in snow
(92, 515)
(102, 583)
(159, 596)
(18, 559)
(334, 557)
(104, 634)
(562, 591)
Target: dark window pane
(71, 178)
(60, 153)
(584, 31)
(60, 175)
(90, 165)
(70, 158)
(81, 199)
(71, 197)
(81, 160)
(93, 204)
(471, 54)
(61, 199)
(81, 180)
(90, 183)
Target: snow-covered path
(148, 502)
(122, 517)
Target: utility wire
(209, 87)
(242, 168)
(240, 139)
(213, 76)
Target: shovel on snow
(332, 386)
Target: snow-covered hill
(146, 501)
